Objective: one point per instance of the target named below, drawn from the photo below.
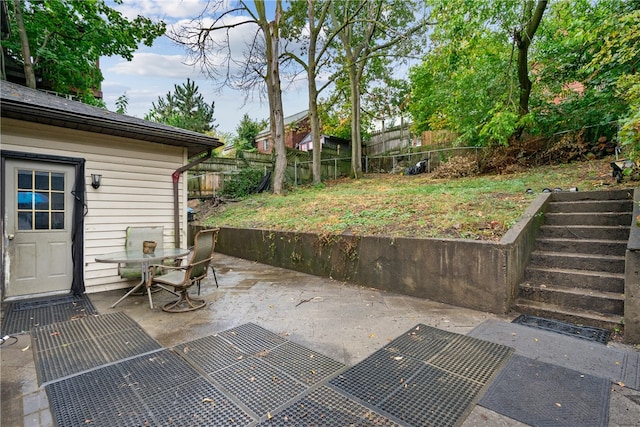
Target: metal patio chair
(184, 277)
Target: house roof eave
(21, 103)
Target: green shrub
(243, 183)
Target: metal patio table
(145, 260)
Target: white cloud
(154, 65)
(168, 10)
(155, 70)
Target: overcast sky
(155, 70)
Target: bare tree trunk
(29, 73)
(523, 41)
(271, 32)
(356, 136)
(313, 99)
(315, 135)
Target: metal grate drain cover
(210, 353)
(425, 377)
(22, 316)
(472, 358)
(196, 403)
(155, 389)
(422, 342)
(157, 372)
(249, 374)
(259, 386)
(373, 379)
(583, 332)
(433, 397)
(67, 348)
(326, 407)
(98, 398)
(251, 338)
(307, 366)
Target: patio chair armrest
(206, 260)
(159, 269)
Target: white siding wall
(136, 188)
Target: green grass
(482, 207)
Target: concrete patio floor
(342, 321)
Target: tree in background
(387, 102)
(462, 87)
(371, 34)
(247, 130)
(586, 50)
(616, 60)
(61, 41)
(306, 24)
(260, 69)
(122, 103)
(310, 23)
(473, 82)
(523, 37)
(184, 108)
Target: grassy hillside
(482, 207)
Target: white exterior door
(39, 211)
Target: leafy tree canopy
(581, 64)
(247, 130)
(67, 38)
(184, 108)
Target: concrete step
(570, 278)
(625, 205)
(575, 261)
(574, 298)
(583, 246)
(579, 317)
(576, 273)
(589, 218)
(611, 232)
(566, 196)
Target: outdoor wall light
(95, 180)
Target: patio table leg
(132, 290)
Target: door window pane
(42, 201)
(57, 201)
(42, 180)
(24, 179)
(42, 221)
(57, 220)
(25, 199)
(25, 220)
(57, 181)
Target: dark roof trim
(22, 103)
(289, 120)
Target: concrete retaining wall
(474, 274)
(520, 241)
(458, 272)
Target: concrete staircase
(576, 272)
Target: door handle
(10, 236)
